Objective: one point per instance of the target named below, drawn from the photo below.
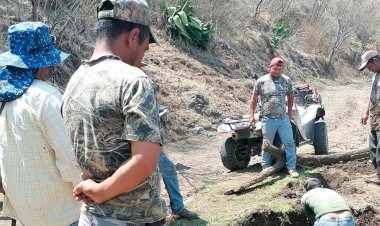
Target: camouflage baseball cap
(366, 57)
(134, 11)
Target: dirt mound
(270, 218)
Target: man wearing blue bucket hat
(38, 166)
(110, 107)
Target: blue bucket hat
(30, 47)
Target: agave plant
(281, 32)
(184, 25)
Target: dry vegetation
(326, 39)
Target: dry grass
(222, 75)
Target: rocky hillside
(323, 45)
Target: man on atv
(272, 89)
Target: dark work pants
(374, 149)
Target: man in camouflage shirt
(272, 90)
(111, 111)
(371, 61)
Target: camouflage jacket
(272, 94)
(108, 103)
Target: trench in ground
(364, 217)
(332, 177)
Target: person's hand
(88, 190)
(252, 120)
(364, 118)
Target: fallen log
(319, 160)
(310, 160)
(280, 157)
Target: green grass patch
(215, 208)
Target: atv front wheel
(234, 154)
(321, 144)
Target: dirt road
(203, 179)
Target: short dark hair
(312, 183)
(112, 28)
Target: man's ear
(133, 37)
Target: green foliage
(280, 33)
(184, 25)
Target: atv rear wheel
(321, 145)
(234, 154)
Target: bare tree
(73, 23)
(35, 6)
(318, 7)
(258, 8)
(366, 19)
(285, 5)
(344, 31)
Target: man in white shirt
(38, 165)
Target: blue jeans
(374, 148)
(169, 175)
(335, 221)
(284, 129)
(74, 224)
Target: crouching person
(325, 207)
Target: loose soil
(276, 201)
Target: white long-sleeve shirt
(38, 166)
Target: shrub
(184, 25)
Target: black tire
(321, 144)
(234, 154)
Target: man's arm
(290, 104)
(252, 108)
(307, 210)
(366, 114)
(141, 165)
(309, 214)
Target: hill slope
(203, 87)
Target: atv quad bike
(308, 127)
